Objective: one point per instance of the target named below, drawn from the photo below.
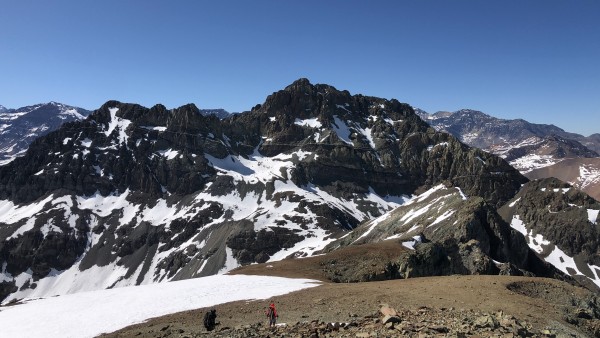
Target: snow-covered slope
(19, 127)
(88, 314)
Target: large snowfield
(88, 314)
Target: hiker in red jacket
(272, 315)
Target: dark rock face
(251, 246)
(567, 219)
(125, 165)
(169, 194)
(450, 233)
(436, 259)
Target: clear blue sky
(532, 59)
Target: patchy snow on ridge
(119, 124)
(414, 215)
(531, 162)
(558, 258)
(442, 144)
(588, 176)
(78, 315)
(71, 112)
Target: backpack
(207, 323)
(270, 313)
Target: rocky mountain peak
(302, 84)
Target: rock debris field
(453, 306)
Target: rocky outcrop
(449, 233)
(560, 223)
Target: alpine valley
(133, 195)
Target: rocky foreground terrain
(433, 306)
(450, 306)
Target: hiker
(272, 315)
(209, 320)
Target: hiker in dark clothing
(209, 320)
(272, 315)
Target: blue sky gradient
(534, 59)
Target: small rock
(486, 321)
(391, 319)
(439, 328)
(584, 314)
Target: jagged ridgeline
(133, 195)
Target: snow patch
(312, 123)
(125, 306)
(169, 154)
(341, 129)
(593, 215)
(117, 123)
(513, 203)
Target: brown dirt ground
(539, 301)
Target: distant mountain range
(220, 113)
(528, 147)
(486, 132)
(19, 127)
